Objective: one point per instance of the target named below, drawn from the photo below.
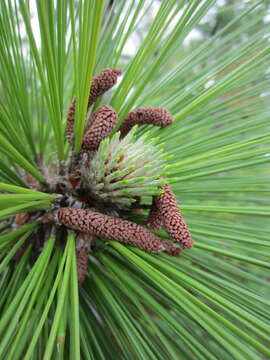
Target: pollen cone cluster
(115, 174)
(109, 227)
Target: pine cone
(83, 246)
(70, 121)
(154, 220)
(21, 219)
(102, 83)
(172, 219)
(82, 263)
(108, 227)
(102, 124)
(141, 116)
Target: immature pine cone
(141, 116)
(124, 231)
(171, 217)
(101, 125)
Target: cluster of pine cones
(85, 215)
(89, 223)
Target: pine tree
(134, 201)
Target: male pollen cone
(21, 219)
(83, 246)
(99, 85)
(101, 125)
(82, 263)
(141, 116)
(124, 231)
(70, 121)
(102, 83)
(154, 220)
(172, 219)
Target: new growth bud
(123, 169)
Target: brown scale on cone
(70, 121)
(172, 220)
(154, 220)
(99, 85)
(21, 219)
(102, 124)
(124, 231)
(82, 263)
(141, 116)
